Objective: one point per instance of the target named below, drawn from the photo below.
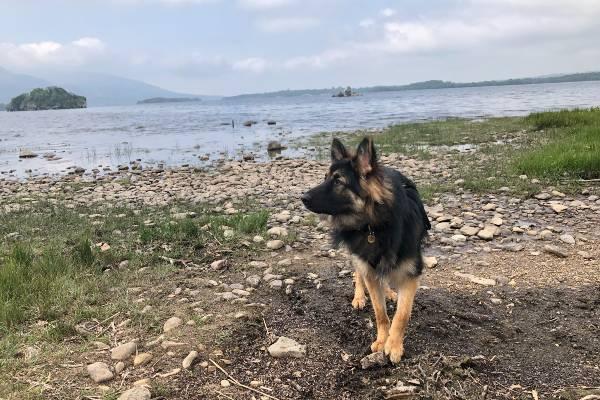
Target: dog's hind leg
(394, 345)
(377, 295)
(360, 300)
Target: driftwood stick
(241, 384)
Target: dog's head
(353, 184)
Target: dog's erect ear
(366, 158)
(338, 151)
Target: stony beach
(507, 307)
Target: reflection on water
(196, 133)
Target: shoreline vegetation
(230, 260)
(559, 148)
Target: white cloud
(388, 12)
(366, 23)
(318, 61)
(90, 43)
(264, 4)
(276, 25)
(48, 53)
(252, 64)
(164, 2)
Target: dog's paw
(391, 294)
(358, 303)
(377, 346)
(394, 348)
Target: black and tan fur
(377, 214)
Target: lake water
(175, 134)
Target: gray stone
(476, 279)
(469, 230)
(276, 284)
(488, 232)
(278, 231)
(373, 360)
(253, 280)
(275, 244)
(99, 372)
(136, 393)
(123, 351)
(567, 239)
(555, 250)
(189, 360)
(171, 324)
(286, 347)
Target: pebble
(99, 372)
(142, 359)
(488, 232)
(555, 250)
(489, 207)
(430, 262)
(286, 347)
(189, 360)
(458, 238)
(218, 265)
(567, 239)
(119, 367)
(225, 383)
(476, 279)
(123, 351)
(275, 244)
(171, 324)
(469, 230)
(373, 360)
(253, 280)
(276, 284)
(442, 227)
(496, 221)
(278, 231)
(558, 208)
(136, 393)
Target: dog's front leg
(394, 345)
(360, 300)
(377, 294)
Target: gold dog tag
(371, 238)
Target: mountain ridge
(99, 89)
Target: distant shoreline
(430, 84)
(161, 100)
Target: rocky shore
(504, 273)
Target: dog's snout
(306, 199)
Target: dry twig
(241, 384)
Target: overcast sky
(240, 46)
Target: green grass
(564, 118)
(570, 146)
(53, 271)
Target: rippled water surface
(176, 134)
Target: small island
(50, 98)
(348, 92)
(159, 100)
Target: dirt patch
(458, 345)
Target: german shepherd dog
(377, 214)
